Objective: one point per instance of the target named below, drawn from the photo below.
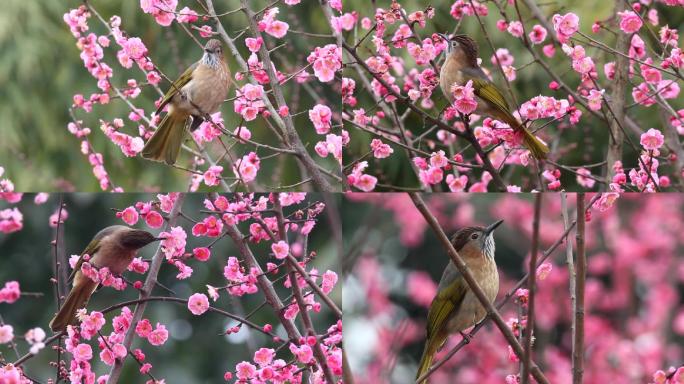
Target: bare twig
(578, 320)
(56, 248)
(531, 281)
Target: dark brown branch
(578, 320)
(531, 287)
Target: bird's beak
(492, 227)
(444, 37)
(160, 238)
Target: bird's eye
(474, 236)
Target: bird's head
(474, 242)
(461, 46)
(133, 239)
(213, 53)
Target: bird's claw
(466, 337)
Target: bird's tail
(165, 143)
(77, 299)
(431, 348)
(534, 145)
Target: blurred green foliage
(40, 71)
(195, 351)
(582, 144)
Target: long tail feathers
(426, 359)
(165, 143)
(77, 299)
(535, 146)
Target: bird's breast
(207, 90)
(449, 75)
(471, 310)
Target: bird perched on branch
(461, 66)
(456, 308)
(198, 92)
(113, 247)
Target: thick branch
(265, 285)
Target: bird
(113, 247)
(456, 308)
(198, 92)
(461, 66)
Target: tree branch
(578, 320)
(531, 280)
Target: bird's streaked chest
(207, 89)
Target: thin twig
(531, 287)
(569, 261)
(578, 321)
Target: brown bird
(113, 247)
(461, 66)
(198, 92)
(456, 308)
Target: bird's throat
(210, 60)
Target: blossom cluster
(399, 53)
(256, 216)
(250, 102)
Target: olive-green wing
(176, 86)
(447, 301)
(89, 250)
(486, 90)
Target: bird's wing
(93, 247)
(176, 86)
(486, 90)
(90, 250)
(447, 301)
